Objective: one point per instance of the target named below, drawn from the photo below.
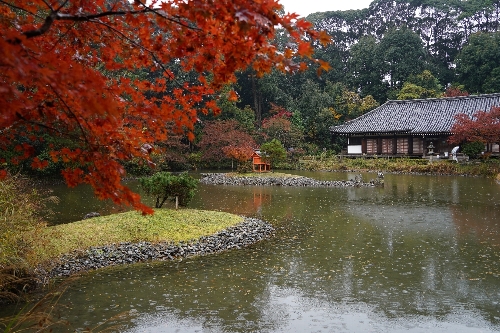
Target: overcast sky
(306, 7)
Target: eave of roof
(417, 117)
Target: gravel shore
(249, 232)
(223, 179)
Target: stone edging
(248, 232)
(223, 179)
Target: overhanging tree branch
(55, 15)
(151, 53)
(21, 9)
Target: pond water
(421, 254)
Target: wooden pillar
(379, 145)
(363, 146)
(394, 145)
(410, 145)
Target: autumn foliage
(240, 153)
(455, 91)
(483, 127)
(66, 65)
(278, 126)
(225, 139)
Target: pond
(421, 254)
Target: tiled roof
(417, 116)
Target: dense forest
(379, 49)
(395, 49)
(455, 40)
(402, 49)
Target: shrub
(473, 149)
(163, 185)
(21, 219)
(21, 216)
(244, 167)
(137, 167)
(273, 151)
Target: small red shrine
(258, 164)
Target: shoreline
(409, 173)
(291, 180)
(244, 234)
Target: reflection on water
(421, 254)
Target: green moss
(165, 225)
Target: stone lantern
(430, 149)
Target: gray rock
(248, 232)
(223, 179)
(91, 215)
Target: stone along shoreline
(249, 232)
(290, 180)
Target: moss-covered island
(130, 237)
(164, 225)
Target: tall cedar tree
(54, 56)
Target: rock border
(224, 179)
(249, 232)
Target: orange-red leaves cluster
(240, 153)
(323, 66)
(324, 38)
(65, 71)
(233, 97)
(26, 150)
(484, 126)
(225, 139)
(305, 49)
(73, 177)
(303, 24)
(455, 91)
(39, 164)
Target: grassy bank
(487, 168)
(165, 225)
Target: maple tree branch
(48, 4)
(153, 55)
(60, 38)
(72, 114)
(44, 28)
(21, 9)
(61, 6)
(50, 128)
(23, 118)
(55, 15)
(177, 20)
